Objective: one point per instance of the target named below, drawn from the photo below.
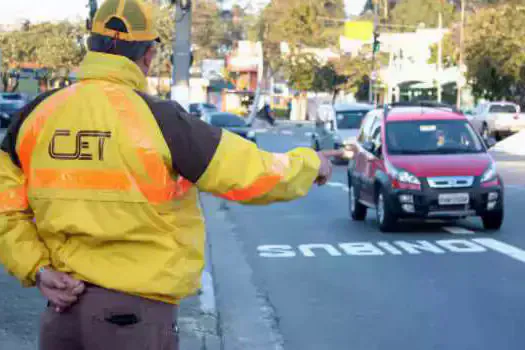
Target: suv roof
(407, 113)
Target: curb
(246, 319)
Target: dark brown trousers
(108, 320)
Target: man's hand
(59, 288)
(325, 171)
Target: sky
(36, 11)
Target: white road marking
(382, 248)
(308, 134)
(307, 249)
(458, 230)
(338, 185)
(207, 297)
(503, 248)
(419, 247)
(286, 132)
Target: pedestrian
(99, 187)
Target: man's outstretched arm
(240, 171)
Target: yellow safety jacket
(101, 181)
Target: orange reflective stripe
(28, 142)
(82, 179)
(13, 199)
(259, 188)
(160, 187)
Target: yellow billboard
(359, 30)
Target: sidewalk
(511, 167)
(198, 329)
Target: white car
(337, 126)
(497, 119)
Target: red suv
(423, 162)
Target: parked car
(10, 103)
(421, 162)
(337, 126)
(198, 109)
(498, 119)
(231, 122)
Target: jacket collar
(111, 68)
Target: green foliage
(300, 71)
(356, 70)
(300, 24)
(450, 52)
(411, 13)
(494, 52)
(57, 47)
(327, 79)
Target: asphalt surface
(322, 281)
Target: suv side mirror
(369, 146)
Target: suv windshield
(224, 120)
(502, 109)
(350, 119)
(432, 137)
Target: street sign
(359, 30)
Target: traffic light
(377, 44)
(184, 4)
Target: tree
(327, 79)
(450, 53)
(300, 70)
(55, 46)
(356, 70)
(207, 32)
(494, 52)
(411, 13)
(300, 24)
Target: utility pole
(180, 90)
(440, 54)
(92, 4)
(461, 53)
(371, 95)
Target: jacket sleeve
(227, 165)
(21, 251)
(239, 171)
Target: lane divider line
(458, 230)
(503, 248)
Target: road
(324, 282)
(302, 275)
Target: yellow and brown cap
(136, 19)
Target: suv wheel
(386, 219)
(493, 221)
(357, 210)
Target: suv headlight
(489, 174)
(401, 175)
(251, 134)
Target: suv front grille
(450, 181)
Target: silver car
(337, 125)
(10, 103)
(497, 119)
